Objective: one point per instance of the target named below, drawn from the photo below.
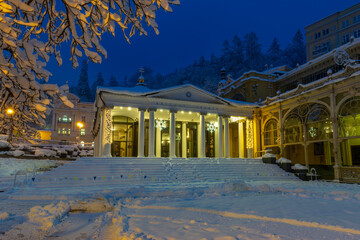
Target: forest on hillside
(237, 57)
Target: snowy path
(250, 208)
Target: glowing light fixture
(10, 111)
(182, 112)
(129, 108)
(79, 124)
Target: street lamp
(10, 112)
(80, 125)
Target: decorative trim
(107, 126)
(249, 134)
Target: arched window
(271, 133)
(318, 123)
(293, 130)
(315, 117)
(349, 118)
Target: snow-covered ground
(230, 210)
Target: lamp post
(10, 112)
(80, 125)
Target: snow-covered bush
(4, 146)
(44, 153)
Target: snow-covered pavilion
(178, 122)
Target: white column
(151, 133)
(184, 140)
(202, 136)
(158, 142)
(172, 135)
(220, 130)
(227, 146)
(241, 139)
(306, 146)
(141, 134)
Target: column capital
(203, 113)
(173, 111)
(223, 115)
(142, 109)
(152, 109)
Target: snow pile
(44, 153)
(46, 217)
(9, 166)
(18, 153)
(268, 155)
(283, 160)
(4, 146)
(3, 137)
(4, 215)
(299, 167)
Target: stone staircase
(156, 171)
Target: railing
(350, 174)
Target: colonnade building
(177, 122)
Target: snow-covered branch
(31, 31)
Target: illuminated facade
(65, 119)
(177, 122)
(332, 32)
(317, 124)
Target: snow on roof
(241, 103)
(310, 86)
(318, 59)
(144, 91)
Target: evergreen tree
(226, 54)
(83, 89)
(253, 54)
(113, 82)
(237, 56)
(295, 53)
(274, 55)
(98, 82)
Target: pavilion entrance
(124, 135)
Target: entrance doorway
(123, 134)
(191, 135)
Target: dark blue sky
(198, 27)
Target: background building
(65, 120)
(332, 32)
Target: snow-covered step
(133, 171)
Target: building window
(317, 35)
(345, 23)
(357, 33)
(59, 130)
(325, 32)
(83, 119)
(64, 119)
(63, 131)
(345, 38)
(357, 19)
(82, 131)
(69, 131)
(321, 48)
(270, 133)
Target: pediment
(188, 93)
